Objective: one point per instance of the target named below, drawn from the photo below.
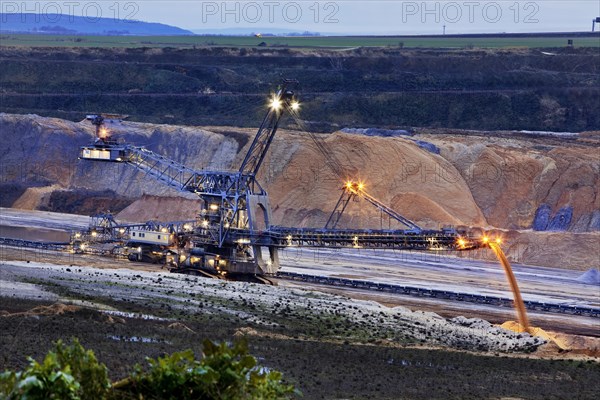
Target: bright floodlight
(275, 103)
(361, 186)
(295, 105)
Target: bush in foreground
(73, 373)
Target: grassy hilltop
(550, 89)
(189, 41)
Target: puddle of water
(34, 234)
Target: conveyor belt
(439, 294)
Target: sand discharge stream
(519, 305)
(523, 325)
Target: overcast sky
(342, 17)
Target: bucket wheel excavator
(233, 235)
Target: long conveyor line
(438, 294)
(370, 285)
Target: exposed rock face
(521, 182)
(506, 180)
(579, 251)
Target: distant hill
(265, 31)
(56, 24)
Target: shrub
(67, 373)
(73, 373)
(223, 373)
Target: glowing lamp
(275, 103)
(103, 133)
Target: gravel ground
(330, 346)
(263, 306)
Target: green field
(296, 42)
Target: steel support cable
(331, 160)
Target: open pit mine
(462, 240)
